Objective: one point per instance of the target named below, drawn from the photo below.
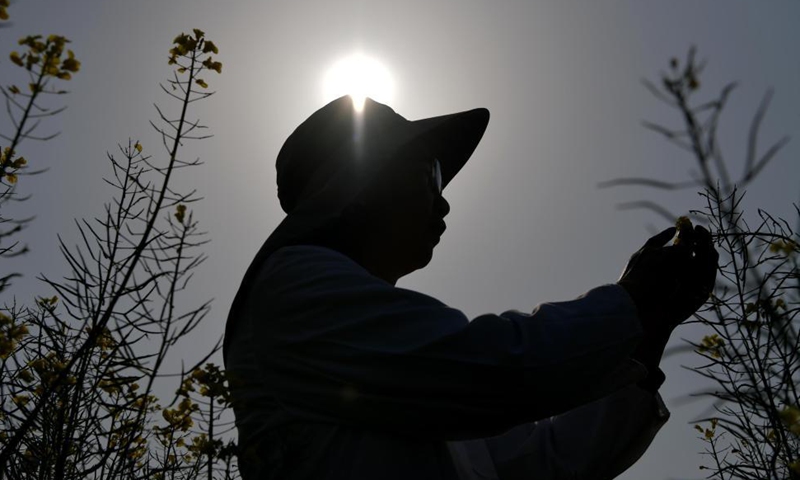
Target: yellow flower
(198, 33)
(787, 247)
(180, 212)
(16, 58)
(70, 64)
(6, 346)
(713, 344)
(138, 147)
(209, 46)
(25, 375)
(212, 65)
(201, 82)
(684, 226)
(791, 417)
(11, 178)
(48, 302)
(16, 332)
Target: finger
(705, 251)
(703, 239)
(681, 250)
(660, 239)
(686, 236)
(704, 242)
(702, 234)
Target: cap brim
(453, 138)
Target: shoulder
(307, 262)
(305, 272)
(309, 256)
(300, 272)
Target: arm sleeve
(597, 441)
(337, 344)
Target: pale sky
(528, 224)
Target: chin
(426, 254)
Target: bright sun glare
(358, 76)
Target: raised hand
(670, 283)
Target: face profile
(404, 214)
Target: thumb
(660, 239)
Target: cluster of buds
(180, 213)
(9, 163)
(204, 446)
(190, 47)
(180, 417)
(787, 247)
(708, 433)
(10, 334)
(210, 382)
(791, 417)
(48, 55)
(713, 345)
(685, 79)
(48, 368)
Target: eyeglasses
(436, 176)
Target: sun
(360, 77)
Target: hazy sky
(528, 225)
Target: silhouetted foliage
(752, 353)
(45, 61)
(78, 368)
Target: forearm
(599, 441)
(651, 347)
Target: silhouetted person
(336, 373)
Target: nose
(442, 206)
